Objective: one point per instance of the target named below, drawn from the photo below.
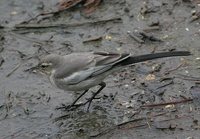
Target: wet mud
(154, 99)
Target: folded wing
(88, 65)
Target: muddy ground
(28, 100)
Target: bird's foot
(69, 107)
(89, 99)
(63, 106)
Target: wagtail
(81, 71)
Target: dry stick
(119, 126)
(149, 29)
(194, 79)
(171, 82)
(34, 55)
(92, 39)
(43, 14)
(30, 39)
(167, 103)
(65, 25)
(14, 69)
(132, 35)
(34, 40)
(14, 135)
(195, 17)
(39, 42)
(149, 37)
(176, 68)
(75, 2)
(1, 60)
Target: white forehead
(50, 58)
(46, 64)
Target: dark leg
(103, 85)
(73, 103)
(89, 101)
(79, 97)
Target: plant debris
(1, 60)
(167, 103)
(92, 39)
(66, 4)
(91, 5)
(141, 37)
(66, 25)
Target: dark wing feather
(109, 58)
(145, 57)
(102, 62)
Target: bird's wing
(81, 66)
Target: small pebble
(126, 85)
(13, 13)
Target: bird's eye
(45, 65)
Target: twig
(194, 17)
(167, 103)
(22, 55)
(91, 5)
(14, 135)
(66, 25)
(93, 39)
(176, 68)
(189, 78)
(149, 29)
(1, 60)
(118, 126)
(43, 43)
(14, 70)
(62, 7)
(132, 35)
(171, 82)
(149, 37)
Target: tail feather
(141, 58)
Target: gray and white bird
(84, 70)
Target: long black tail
(141, 58)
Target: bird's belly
(83, 85)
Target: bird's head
(49, 63)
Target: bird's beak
(38, 69)
(33, 69)
(45, 72)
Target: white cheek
(51, 78)
(46, 64)
(53, 71)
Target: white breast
(83, 85)
(51, 78)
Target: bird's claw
(89, 99)
(69, 107)
(63, 107)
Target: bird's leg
(74, 102)
(89, 101)
(103, 85)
